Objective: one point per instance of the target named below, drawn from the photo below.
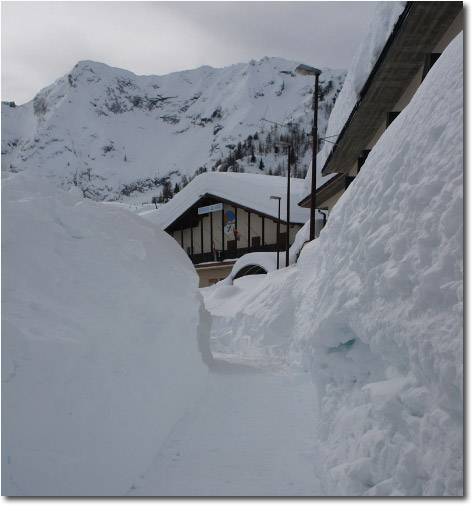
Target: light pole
(288, 146)
(278, 228)
(306, 70)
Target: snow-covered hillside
(376, 304)
(116, 135)
(102, 325)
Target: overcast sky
(41, 41)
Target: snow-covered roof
(385, 16)
(252, 191)
(375, 37)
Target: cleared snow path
(251, 434)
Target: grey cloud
(43, 40)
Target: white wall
(270, 231)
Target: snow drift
(380, 314)
(377, 308)
(254, 317)
(100, 352)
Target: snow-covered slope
(116, 135)
(377, 307)
(102, 324)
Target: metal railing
(232, 253)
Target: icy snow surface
(374, 307)
(252, 434)
(100, 352)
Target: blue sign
(210, 208)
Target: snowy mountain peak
(116, 135)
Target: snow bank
(100, 352)
(379, 313)
(266, 260)
(254, 317)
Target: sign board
(210, 208)
(229, 223)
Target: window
(256, 242)
(282, 239)
(431, 59)
(391, 117)
(347, 181)
(362, 158)
(231, 245)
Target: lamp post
(278, 228)
(306, 70)
(288, 146)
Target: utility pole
(306, 70)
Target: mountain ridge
(119, 136)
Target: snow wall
(376, 307)
(100, 352)
(380, 313)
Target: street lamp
(306, 70)
(288, 146)
(278, 228)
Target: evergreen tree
(261, 165)
(167, 192)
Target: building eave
(228, 202)
(417, 32)
(327, 190)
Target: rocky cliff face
(118, 136)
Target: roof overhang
(229, 202)
(417, 32)
(324, 192)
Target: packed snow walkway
(251, 434)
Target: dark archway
(250, 270)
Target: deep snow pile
(100, 352)
(381, 313)
(254, 317)
(377, 306)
